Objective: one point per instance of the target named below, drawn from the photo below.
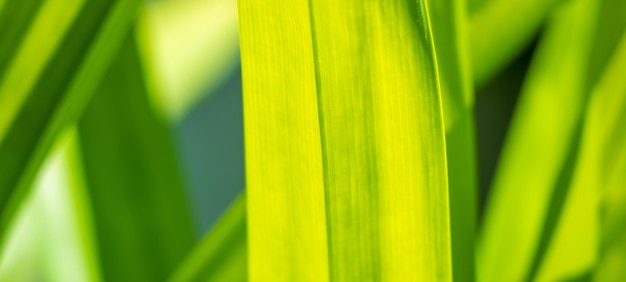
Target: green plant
(360, 140)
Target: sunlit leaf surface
(344, 139)
(287, 237)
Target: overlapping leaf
(450, 38)
(542, 133)
(47, 85)
(578, 227)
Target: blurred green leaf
(343, 97)
(15, 19)
(222, 255)
(500, 30)
(51, 237)
(542, 132)
(609, 112)
(140, 209)
(610, 28)
(578, 228)
(70, 251)
(570, 214)
(35, 107)
(21, 258)
(450, 38)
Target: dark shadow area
(210, 138)
(495, 104)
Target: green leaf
(22, 253)
(579, 226)
(609, 113)
(346, 168)
(222, 255)
(284, 175)
(53, 220)
(47, 94)
(48, 24)
(609, 31)
(449, 34)
(141, 215)
(569, 222)
(66, 215)
(500, 30)
(15, 19)
(534, 155)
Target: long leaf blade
(284, 177)
(130, 164)
(381, 141)
(450, 37)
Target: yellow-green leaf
(284, 176)
(345, 156)
(609, 114)
(574, 248)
